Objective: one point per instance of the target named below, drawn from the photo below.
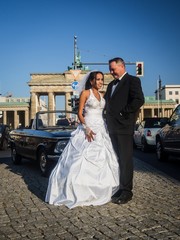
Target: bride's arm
(82, 101)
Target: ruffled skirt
(87, 173)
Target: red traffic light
(139, 69)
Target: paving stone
(153, 213)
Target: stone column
(16, 120)
(170, 112)
(33, 105)
(4, 117)
(142, 113)
(162, 114)
(152, 112)
(26, 118)
(38, 103)
(67, 97)
(51, 101)
(51, 107)
(166, 113)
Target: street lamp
(159, 96)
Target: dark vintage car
(168, 138)
(4, 136)
(44, 140)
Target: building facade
(169, 92)
(154, 108)
(14, 111)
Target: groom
(124, 97)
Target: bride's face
(98, 81)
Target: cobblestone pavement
(152, 214)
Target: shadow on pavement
(30, 173)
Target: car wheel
(161, 155)
(144, 145)
(16, 158)
(43, 163)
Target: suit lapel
(119, 85)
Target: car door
(172, 135)
(19, 137)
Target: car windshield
(153, 123)
(55, 119)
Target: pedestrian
(87, 171)
(124, 97)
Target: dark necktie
(116, 81)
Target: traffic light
(70, 102)
(75, 104)
(139, 69)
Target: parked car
(145, 132)
(44, 141)
(168, 138)
(4, 136)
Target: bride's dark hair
(92, 76)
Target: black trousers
(123, 146)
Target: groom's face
(116, 69)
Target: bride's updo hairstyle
(91, 77)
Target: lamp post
(159, 97)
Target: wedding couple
(96, 166)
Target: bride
(87, 172)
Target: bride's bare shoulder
(85, 93)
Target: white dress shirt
(115, 85)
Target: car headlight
(60, 146)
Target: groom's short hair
(117, 60)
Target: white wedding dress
(87, 173)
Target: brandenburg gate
(54, 84)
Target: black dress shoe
(116, 196)
(124, 197)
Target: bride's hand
(89, 134)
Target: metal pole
(75, 52)
(158, 96)
(128, 63)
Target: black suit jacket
(122, 107)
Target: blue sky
(37, 36)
